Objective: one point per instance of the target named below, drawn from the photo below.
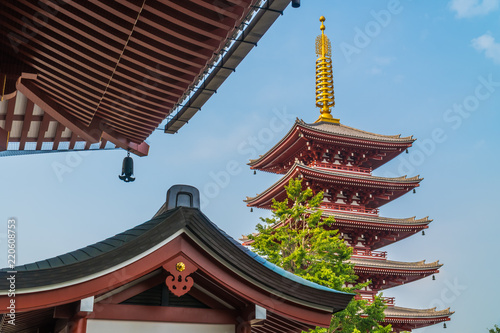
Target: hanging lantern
(127, 169)
(251, 210)
(423, 233)
(414, 191)
(295, 3)
(444, 325)
(255, 172)
(407, 151)
(433, 278)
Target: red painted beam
(9, 117)
(140, 149)
(26, 123)
(91, 133)
(57, 138)
(4, 139)
(72, 141)
(163, 314)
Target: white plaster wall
(123, 326)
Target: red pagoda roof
(393, 273)
(392, 187)
(378, 231)
(406, 319)
(379, 148)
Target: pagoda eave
(379, 190)
(302, 137)
(406, 319)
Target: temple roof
(395, 180)
(367, 220)
(95, 260)
(406, 319)
(395, 265)
(396, 311)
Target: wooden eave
(116, 75)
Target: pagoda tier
(345, 147)
(357, 193)
(405, 319)
(385, 273)
(373, 232)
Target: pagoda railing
(349, 208)
(359, 253)
(340, 167)
(389, 301)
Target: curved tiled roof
(396, 311)
(390, 264)
(343, 130)
(338, 130)
(401, 179)
(396, 180)
(409, 221)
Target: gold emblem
(180, 266)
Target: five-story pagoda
(338, 160)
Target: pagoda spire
(325, 99)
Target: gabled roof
(79, 272)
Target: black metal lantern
(295, 3)
(127, 169)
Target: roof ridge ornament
(325, 99)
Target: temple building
(177, 272)
(339, 160)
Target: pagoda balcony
(332, 207)
(389, 301)
(369, 297)
(367, 254)
(351, 169)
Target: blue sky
(428, 69)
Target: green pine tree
(298, 239)
(496, 329)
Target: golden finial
(325, 99)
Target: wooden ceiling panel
(123, 64)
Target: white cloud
(487, 44)
(470, 8)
